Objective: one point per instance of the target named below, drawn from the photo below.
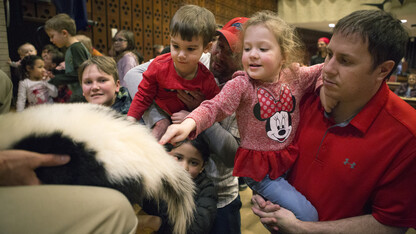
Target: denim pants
(280, 192)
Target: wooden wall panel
(99, 32)
(125, 13)
(148, 29)
(148, 19)
(157, 23)
(138, 24)
(166, 16)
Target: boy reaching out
(192, 29)
(61, 30)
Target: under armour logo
(352, 165)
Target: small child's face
(412, 79)
(37, 72)
(186, 54)
(26, 50)
(57, 38)
(189, 158)
(99, 87)
(262, 57)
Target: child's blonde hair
(191, 20)
(61, 22)
(291, 46)
(104, 64)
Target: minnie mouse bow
(269, 105)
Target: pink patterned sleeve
(310, 78)
(222, 105)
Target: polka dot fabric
(269, 105)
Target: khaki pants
(65, 209)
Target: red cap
(324, 39)
(231, 30)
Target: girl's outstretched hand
(178, 132)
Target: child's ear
(118, 86)
(208, 47)
(64, 32)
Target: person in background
(192, 155)
(321, 55)
(34, 88)
(157, 50)
(126, 54)
(357, 164)
(192, 29)
(6, 92)
(88, 44)
(61, 30)
(23, 50)
(100, 84)
(407, 89)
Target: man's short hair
(61, 22)
(385, 34)
(193, 21)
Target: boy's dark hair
(193, 21)
(27, 61)
(104, 64)
(57, 56)
(198, 143)
(385, 34)
(61, 22)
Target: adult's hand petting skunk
(105, 149)
(17, 167)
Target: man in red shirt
(357, 164)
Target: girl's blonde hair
(291, 46)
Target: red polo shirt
(365, 166)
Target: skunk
(106, 150)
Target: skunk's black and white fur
(106, 150)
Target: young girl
(265, 98)
(126, 54)
(192, 155)
(34, 88)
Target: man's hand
(178, 132)
(131, 119)
(327, 102)
(17, 166)
(160, 128)
(179, 116)
(192, 99)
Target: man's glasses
(119, 40)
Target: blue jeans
(228, 220)
(280, 192)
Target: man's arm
(278, 218)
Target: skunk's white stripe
(126, 150)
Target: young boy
(61, 30)
(192, 29)
(23, 50)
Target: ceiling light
(331, 25)
(404, 20)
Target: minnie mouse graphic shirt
(267, 116)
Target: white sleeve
(21, 96)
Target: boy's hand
(179, 116)
(160, 128)
(192, 99)
(131, 119)
(178, 132)
(327, 102)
